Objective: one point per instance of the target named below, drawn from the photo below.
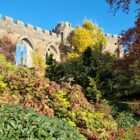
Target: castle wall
(39, 38)
(112, 45)
(43, 41)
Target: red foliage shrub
(7, 49)
(42, 107)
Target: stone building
(28, 39)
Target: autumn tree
(97, 35)
(127, 79)
(130, 38)
(89, 35)
(131, 41)
(81, 39)
(120, 4)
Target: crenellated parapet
(112, 35)
(112, 45)
(20, 27)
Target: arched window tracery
(24, 54)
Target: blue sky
(47, 13)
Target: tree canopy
(121, 4)
(88, 35)
(131, 37)
(81, 39)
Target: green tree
(54, 70)
(92, 91)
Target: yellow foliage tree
(87, 24)
(97, 35)
(81, 39)
(39, 64)
(38, 61)
(72, 55)
(89, 35)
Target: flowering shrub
(70, 104)
(25, 87)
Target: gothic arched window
(23, 54)
(51, 51)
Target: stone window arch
(51, 50)
(24, 49)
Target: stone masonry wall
(40, 40)
(112, 45)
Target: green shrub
(24, 124)
(92, 91)
(130, 134)
(54, 71)
(126, 120)
(7, 65)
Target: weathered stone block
(38, 29)
(46, 32)
(29, 26)
(9, 20)
(20, 23)
(54, 34)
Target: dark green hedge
(26, 124)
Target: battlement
(9, 24)
(112, 35)
(66, 26)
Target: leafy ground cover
(129, 134)
(17, 123)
